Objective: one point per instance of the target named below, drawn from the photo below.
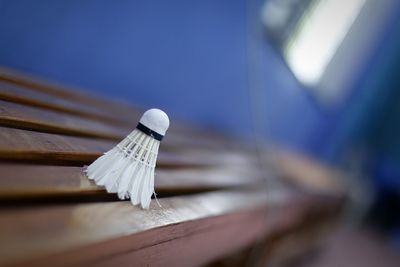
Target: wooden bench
(218, 205)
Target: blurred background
(316, 76)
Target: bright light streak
(320, 32)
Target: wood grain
(27, 181)
(30, 146)
(44, 127)
(16, 144)
(88, 234)
(75, 95)
(12, 93)
(19, 181)
(49, 121)
(42, 120)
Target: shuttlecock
(128, 168)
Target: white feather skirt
(128, 168)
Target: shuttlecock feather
(128, 168)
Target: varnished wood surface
(25, 109)
(27, 181)
(16, 144)
(49, 121)
(37, 84)
(12, 93)
(22, 145)
(41, 120)
(23, 181)
(83, 230)
(47, 134)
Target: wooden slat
(22, 145)
(18, 181)
(24, 181)
(40, 85)
(30, 118)
(12, 93)
(39, 118)
(50, 121)
(16, 144)
(101, 233)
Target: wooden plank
(26, 181)
(50, 121)
(30, 146)
(35, 83)
(12, 93)
(30, 118)
(16, 144)
(20, 181)
(100, 233)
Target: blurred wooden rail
(52, 215)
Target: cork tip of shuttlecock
(156, 119)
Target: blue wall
(184, 56)
(187, 57)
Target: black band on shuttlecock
(149, 132)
